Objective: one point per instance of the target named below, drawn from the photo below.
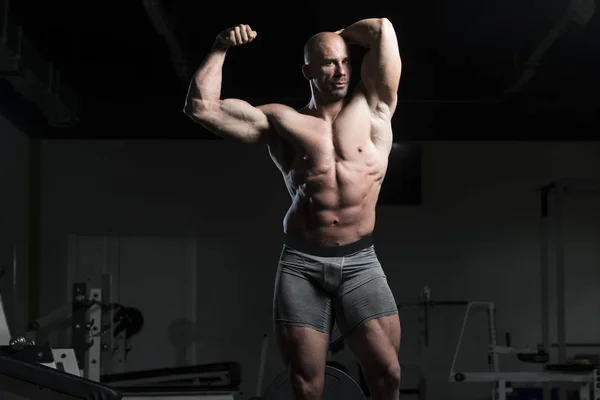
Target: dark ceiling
(459, 60)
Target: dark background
(163, 215)
(461, 62)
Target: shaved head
(318, 44)
(327, 66)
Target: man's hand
(236, 36)
(345, 37)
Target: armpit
(382, 110)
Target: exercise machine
(24, 378)
(96, 326)
(218, 381)
(586, 378)
(33, 372)
(85, 315)
(89, 325)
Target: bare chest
(330, 154)
(331, 147)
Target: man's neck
(325, 110)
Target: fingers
(251, 34)
(239, 35)
(246, 33)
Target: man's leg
(376, 344)
(368, 319)
(304, 351)
(302, 313)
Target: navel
(360, 149)
(335, 222)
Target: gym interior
(138, 254)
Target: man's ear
(306, 72)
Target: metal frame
(84, 358)
(587, 382)
(112, 357)
(95, 334)
(261, 366)
(5, 335)
(65, 360)
(557, 190)
(106, 274)
(495, 361)
(79, 322)
(491, 311)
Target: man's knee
(392, 375)
(385, 379)
(307, 387)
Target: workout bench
(33, 381)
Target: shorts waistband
(331, 251)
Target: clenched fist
(236, 36)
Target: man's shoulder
(282, 111)
(275, 107)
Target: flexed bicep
(234, 119)
(381, 69)
(228, 118)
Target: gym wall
(218, 207)
(14, 209)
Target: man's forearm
(206, 83)
(365, 32)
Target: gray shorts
(316, 287)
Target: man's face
(329, 69)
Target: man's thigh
(364, 294)
(299, 299)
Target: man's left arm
(382, 66)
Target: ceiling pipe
(160, 22)
(580, 12)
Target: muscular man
(333, 156)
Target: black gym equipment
(338, 385)
(33, 381)
(127, 320)
(222, 378)
(216, 376)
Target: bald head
(327, 66)
(321, 43)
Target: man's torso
(333, 170)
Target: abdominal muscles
(334, 201)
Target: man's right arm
(229, 118)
